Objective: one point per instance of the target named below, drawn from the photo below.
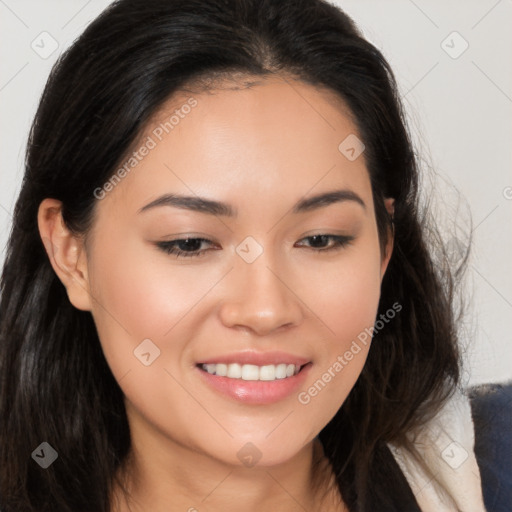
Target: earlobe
(65, 252)
(389, 202)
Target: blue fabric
(491, 407)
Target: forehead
(272, 141)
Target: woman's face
(258, 294)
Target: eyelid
(169, 246)
(341, 241)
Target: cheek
(142, 295)
(136, 298)
(345, 293)
(346, 298)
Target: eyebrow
(209, 206)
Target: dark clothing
(491, 407)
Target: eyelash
(170, 246)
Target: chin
(260, 451)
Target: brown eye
(318, 242)
(184, 247)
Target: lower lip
(256, 391)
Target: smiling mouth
(251, 372)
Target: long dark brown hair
(56, 386)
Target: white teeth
(280, 371)
(234, 371)
(268, 372)
(210, 368)
(219, 369)
(251, 371)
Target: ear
(389, 202)
(66, 253)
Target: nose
(260, 299)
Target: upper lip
(257, 358)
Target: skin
(260, 149)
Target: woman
(218, 292)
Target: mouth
(252, 383)
(252, 372)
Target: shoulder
(491, 409)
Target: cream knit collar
(446, 445)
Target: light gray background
(459, 106)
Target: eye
(188, 247)
(319, 242)
(184, 247)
